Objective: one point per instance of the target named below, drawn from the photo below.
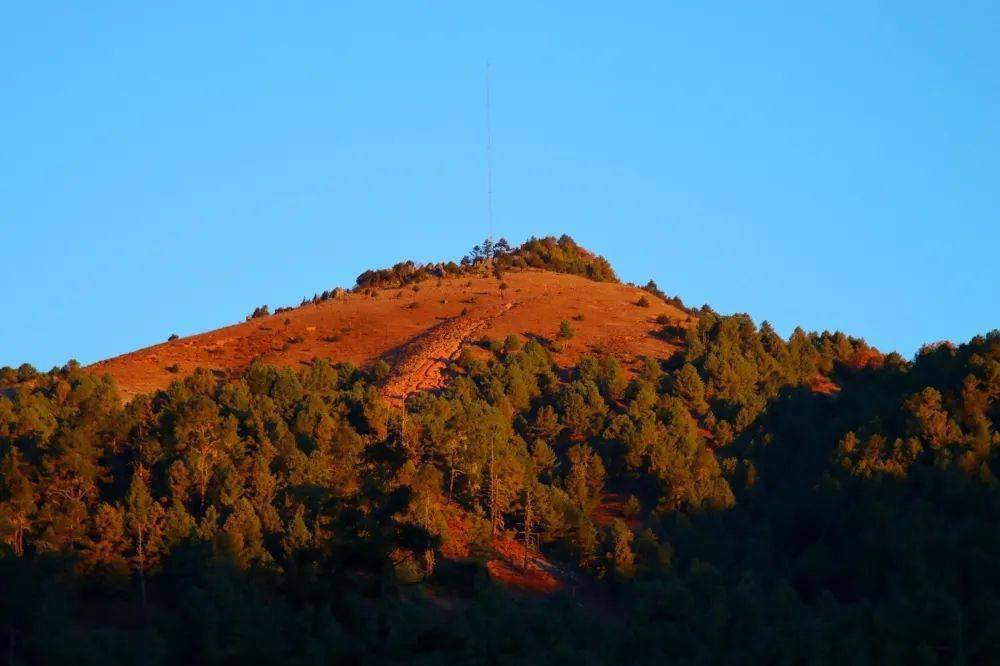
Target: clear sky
(165, 167)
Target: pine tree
(493, 489)
(104, 552)
(144, 521)
(689, 387)
(199, 438)
(17, 501)
(618, 555)
(585, 481)
(528, 525)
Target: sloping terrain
(415, 331)
(538, 509)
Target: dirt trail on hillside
(419, 364)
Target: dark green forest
(800, 500)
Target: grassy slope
(416, 331)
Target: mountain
(514, 458)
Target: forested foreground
(801, 500)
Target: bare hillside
(415, 331)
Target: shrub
(492, 344)
(380, 371)
(173, 336)
(565, 330)
(670, 333)
(652, 288)
(643, 302)
(511, 344)
(466, 357)
(262, 311)
(26, 372)
(632, 507)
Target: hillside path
(419, 364)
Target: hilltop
(418, 318)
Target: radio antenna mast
(489, 157)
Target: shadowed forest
(752, 499)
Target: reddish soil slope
(417, 332)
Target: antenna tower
(489, 157)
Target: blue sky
(165, 167)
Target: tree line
(799, 499)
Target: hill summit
(417, 318)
